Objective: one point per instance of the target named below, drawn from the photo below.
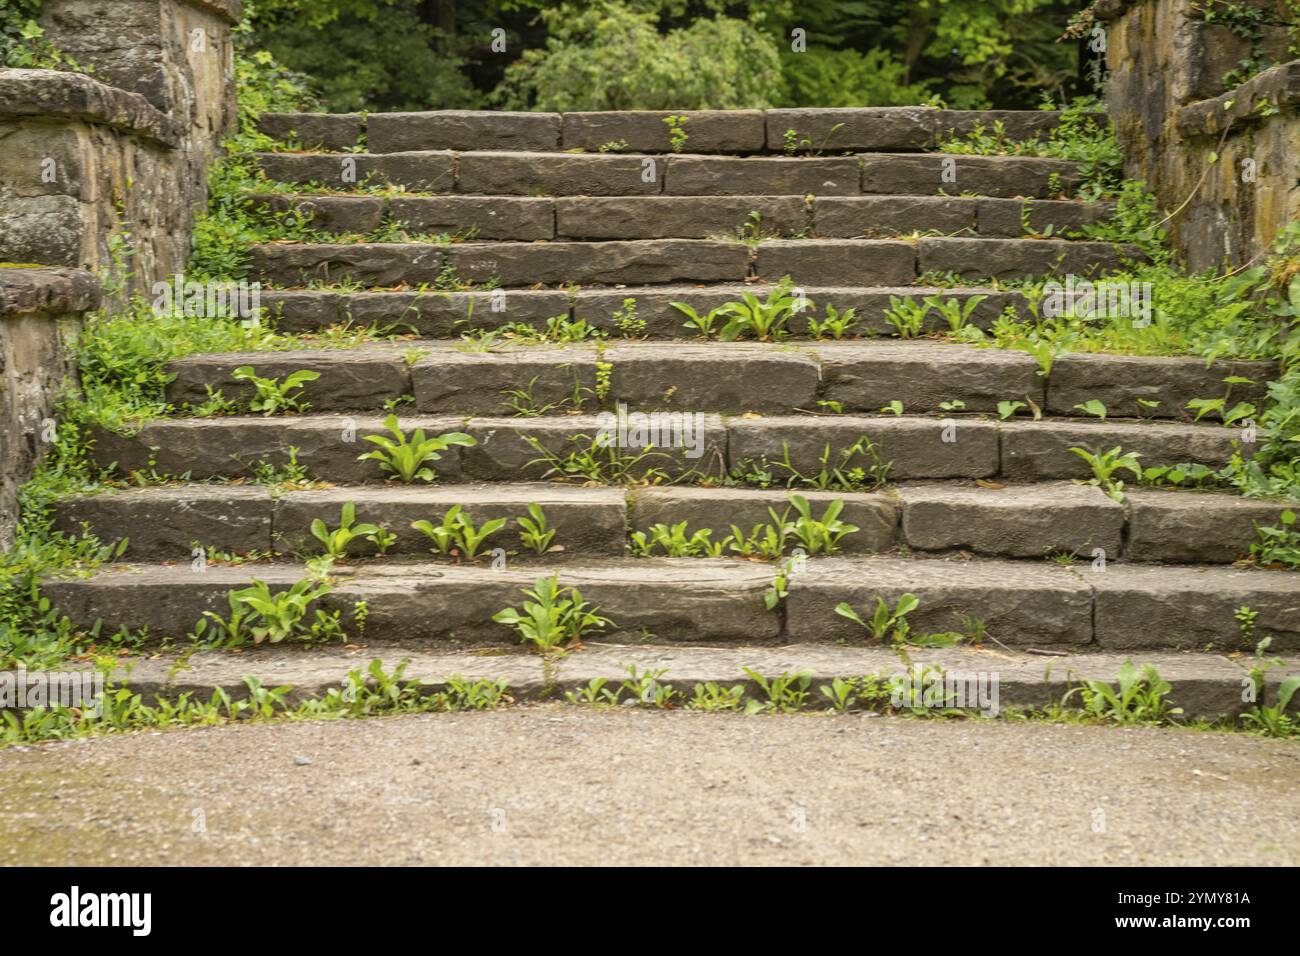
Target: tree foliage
(673, 54)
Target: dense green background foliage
(681, 54)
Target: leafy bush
(822, 77)
(610, 57)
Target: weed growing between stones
(1078, 137)
(369, 693)
(1139, 697)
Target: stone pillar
(1166, 66)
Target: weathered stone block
(867, 216)
(462, 129)
(760, 175)
(695, 378)
(558, 174)
(332, 131)
(865, 377)
(656, 260)
(911, 447)
(838, 261)
(370, 263)
(924, 174)
(479, 217)
(707, 131)
(1015, 521)
(664, 217)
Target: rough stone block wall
(1167, 100)
(100, 179)
(90, 177)
(40, 312)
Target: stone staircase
(971, 510)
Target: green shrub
(610, 57)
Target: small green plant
(1092, 407)
(703, 325)
(1105, 465)
(336, 542)
(591, 460)
(784, 693)
(1137, 698)
(535, 534)
(841, 692)
(382, 539)
(819, 535)
(674, 542)
(1008, 408)
(886, 622)
(552, 615)
(836, 472)
(764, 319)
(273, 395)
(954, 311)
(626, 320)
(595, 693)
(407, 459)
(895, 407)
(274, 616)
(711, 696)
(457, 534)
(677, 135)
(835, 325)
(1271, 720)
(907, 317)
(1278, 544)
(647, 687)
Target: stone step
(506, 173)
(707, 131)
(1011, 521)
(328, 445)
(811, 262)
(526, 219)
(448, 314)
(1204, 685)
(1021, 604)
(865, 376)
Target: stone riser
(1015, 521)
(687, 600)
(863, 377)
(449, 314)
(852, 262)
(329, 445)
(721, 131)
(567, 174)
(1203, 685)
(674, 217)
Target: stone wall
(40, 312)
(100, 179)
(1225, 159)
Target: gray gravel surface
(551, 784)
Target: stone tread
(856, 262)
(863, 376)
(1022, 604)
(1012, 520)
(1204, 685)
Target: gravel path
(551, 784)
